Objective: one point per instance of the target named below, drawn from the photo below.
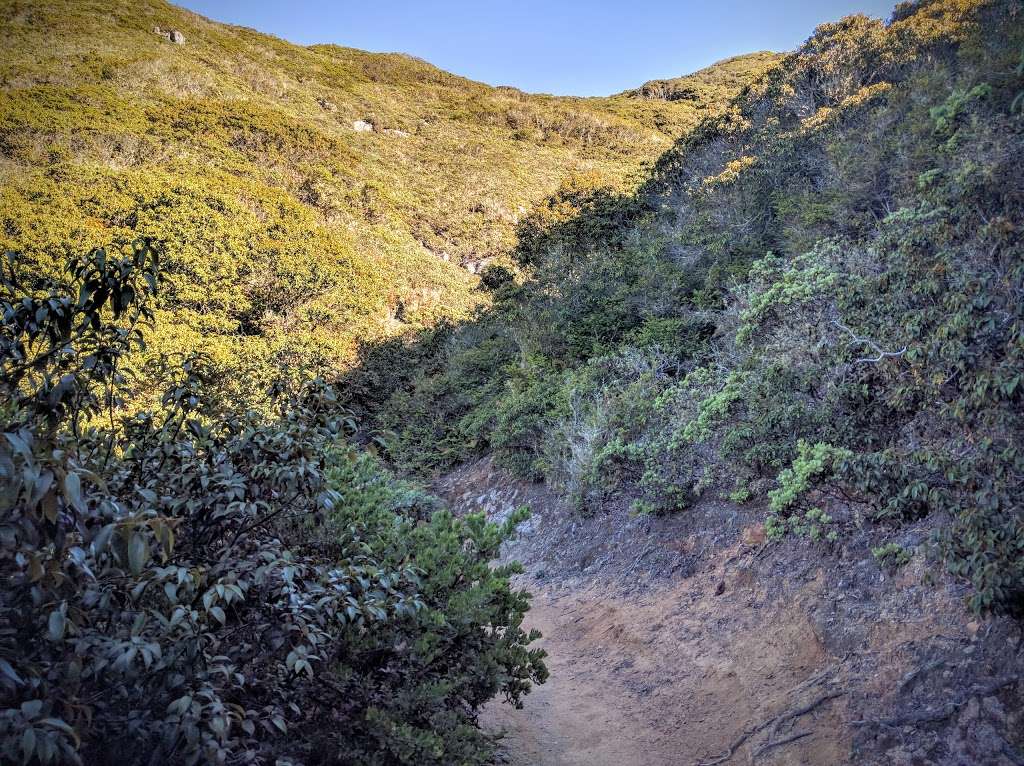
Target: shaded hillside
(308, 197)
(811, 305)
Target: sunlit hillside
(345, 401)
(307, 198)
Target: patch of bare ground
(690, 640)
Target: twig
(816, 678)
(638, 559)
(909, 677)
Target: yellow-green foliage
(290, 235)
(709, 86)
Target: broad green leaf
(138, 553)
(28, 744)
(8, 670)
(73, 491)
(56, 625)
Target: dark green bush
(204, 585)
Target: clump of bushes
(815, 297)
(203, 584)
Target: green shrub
(223, 584)
(892, 555)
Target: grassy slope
(733, 72)
(290, 236)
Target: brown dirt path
(573, 719)
(687, 641)
(638, 680)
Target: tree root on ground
(774, 724)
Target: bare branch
(858, 340)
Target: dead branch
(786, 717)
(858, 340)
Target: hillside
(757, 315)
(308, 198)
(739, 430)
(731, 73)
(797, 346)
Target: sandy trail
(642, 680)
(671, 638)
(574, 718)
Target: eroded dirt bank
(688, 640)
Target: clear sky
(566, 47)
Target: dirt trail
(575, 718)
(636, 681)
(686, 641)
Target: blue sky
(566, 47)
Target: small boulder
(172, 35)
(362, 126)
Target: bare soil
(691, 640)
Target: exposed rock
(173, 35)
(970, 711)
(994, 708)
(327, 106)
(396, 132)
(475, 266)
(362, 126)
(755, 534)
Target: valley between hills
(358, 413)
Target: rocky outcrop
(172, 35)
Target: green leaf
(8, 670)
(102, 539)
(28, 744)
(138, 553)
(73, 491)
(56, 625)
